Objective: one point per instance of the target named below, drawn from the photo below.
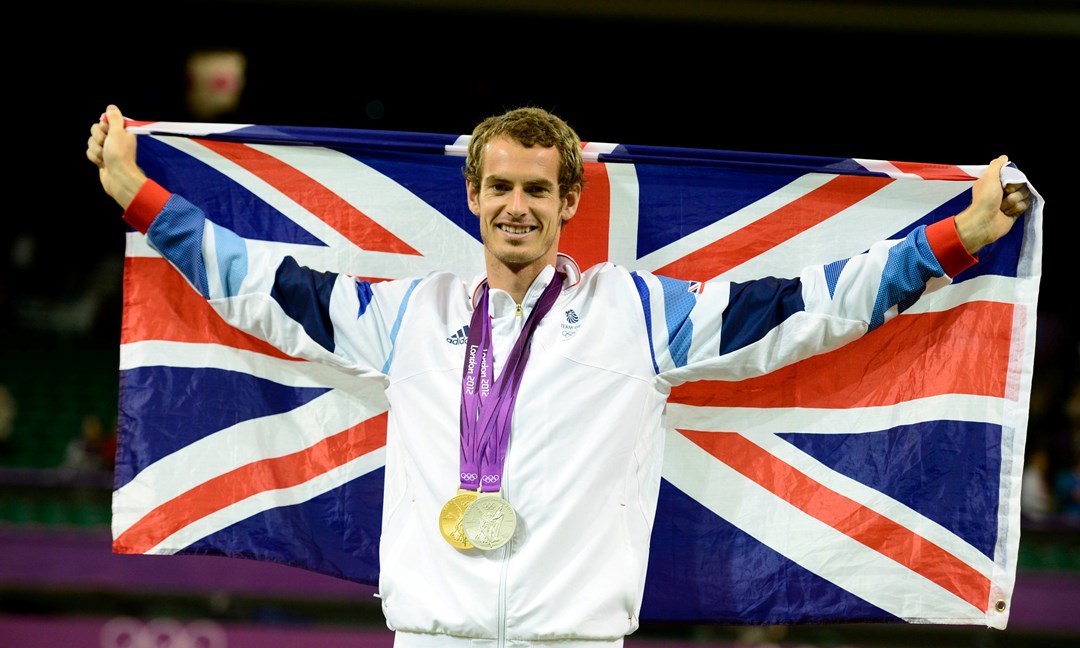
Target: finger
(997, 163)
(93, 153)
(1017, 191)
(113, 117)
(1014, 204)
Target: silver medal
(489, 521)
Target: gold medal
(450, 519)
(489, 521)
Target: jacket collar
(564, 264)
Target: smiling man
(523, 467)
(523, 196)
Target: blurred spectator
(85, 451)
(1067, 480)
(7, 419)
(108, 448)
(215, 83)
(1036, 500)
(1068, 490)
(45, 294)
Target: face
(518, 203)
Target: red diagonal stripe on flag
(246, 481)
(847, 516)
(912, 357)
(585, 238)
(352, 223)
(770, 231)
(159, 304)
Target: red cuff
(948, 248)
(146, 205)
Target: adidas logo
(461, 337)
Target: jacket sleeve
(723, 330)
(326, 317)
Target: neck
(514, 280)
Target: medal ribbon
(486, 413)
(475, 388)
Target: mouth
(515, 229)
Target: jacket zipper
(508, 547)
(501, 643)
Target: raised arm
(252, 285)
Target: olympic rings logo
(487, 479)
(129, 632)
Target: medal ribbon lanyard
(486, 414)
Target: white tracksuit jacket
(585, 454)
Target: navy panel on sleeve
(757, 307)
(304, 295)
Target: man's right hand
(112, 149)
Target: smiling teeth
(516, 229)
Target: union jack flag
(879, 482)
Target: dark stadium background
(921, 81)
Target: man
(523, 467)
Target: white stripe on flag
(807, 420)
(623, 219)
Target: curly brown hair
(530, 126)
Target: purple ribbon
(486, 413)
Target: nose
(517, 205)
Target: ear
(570, 204)
(473, 193)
